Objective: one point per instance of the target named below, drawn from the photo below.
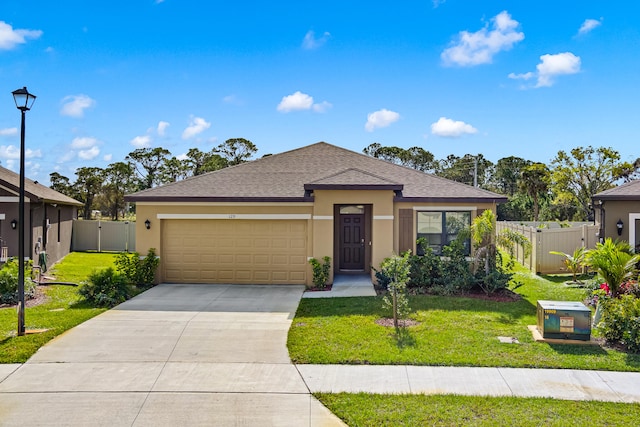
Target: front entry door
(352, 240)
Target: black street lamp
(24, 101)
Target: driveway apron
(176, 355)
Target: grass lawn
(61, 311)
(364, 410)
(453, 331)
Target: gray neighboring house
(49, 218)
(617, 212)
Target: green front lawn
(452, 331)
(61, 311)
(364, 410)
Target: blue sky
(501, 78)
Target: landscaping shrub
(9, 282)
(424, 270)
(106, 288)
(320, 271)
(138, 271)
(620, 321)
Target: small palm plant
(614, 262)
(575, 262)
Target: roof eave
(188, 199)
(496, 200)
(392, 187)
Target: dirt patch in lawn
(403, 323)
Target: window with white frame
(439, 228)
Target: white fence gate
(551, 238)
(103, 236)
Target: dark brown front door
(352, 240)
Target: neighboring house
(617, 212)
(48, 219)
(259, 222)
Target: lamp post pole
(24, 100)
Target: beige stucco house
(617, 212)
(260, 222)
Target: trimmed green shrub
(138, 271)
(9, 282)
(620, 321)
(320, 271)
(106, 288)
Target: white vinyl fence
(103, 236)
(551, 238)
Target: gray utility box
(564, 320)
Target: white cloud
(451, 128)
(80, 143)
(74, 105)
(162, 128)
(107, 157)
(141, 141)
(588, 25)
(12, 152)
(8, 132)
(182, 156)
(311, 42)
(232, 99)
(480, 47)
(89, 154)
(437, 3)
(196, 126)
(556, 65)
(10, 38)
(380, 119)
(550, 67)
(299, 101)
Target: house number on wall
(232, 216)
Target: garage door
(234, 251)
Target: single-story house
(48, 217)
(260, 222)
(617, 212)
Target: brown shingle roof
(33, 190)
(283, 177)
(627, 191)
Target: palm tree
(575, 262)
(614, 262)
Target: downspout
(602, 221)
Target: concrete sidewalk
(566, 384)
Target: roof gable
(283, 177)
(627, 191)
(10, 182)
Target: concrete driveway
(177, 355)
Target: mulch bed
(403, 323)
(314, 289)
(39, 298)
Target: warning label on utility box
(566, 324)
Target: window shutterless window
(440, 228)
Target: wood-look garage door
(234, 251)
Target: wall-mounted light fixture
(147, 224)
(14, 224)
(619, 226)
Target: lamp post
(24, 101)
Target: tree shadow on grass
(404, 338)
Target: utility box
(564, 320)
